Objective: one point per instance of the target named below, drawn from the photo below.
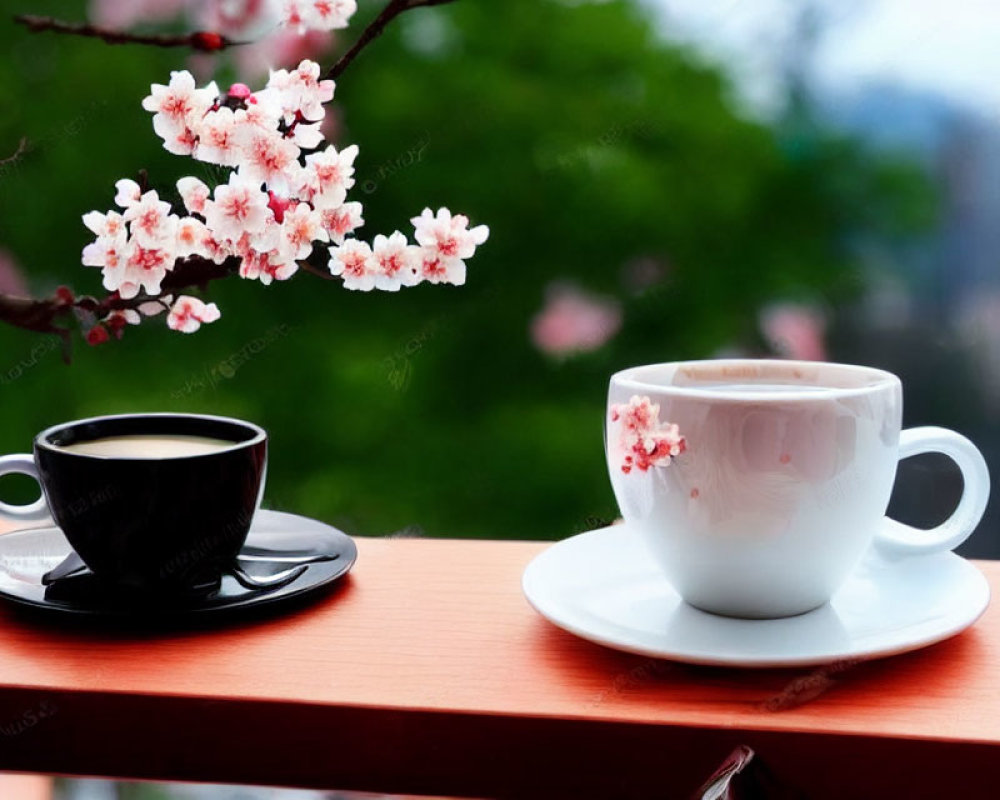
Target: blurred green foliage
(596, 152)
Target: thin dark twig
(327, 276)
(206, 41)
(22, 148)
(374, 30)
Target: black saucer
(321, 554)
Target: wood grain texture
(25, 787)
(426, 671)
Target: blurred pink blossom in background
(280, 49)
(574, 321)
(11, 278)
(126, 13)
(255, 21)
(795, 331)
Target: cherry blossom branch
(305, 266)
(205, 41)
(41, 316)
(443, 240)
(374, 30)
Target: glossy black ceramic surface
(277, 542)
(160, 525)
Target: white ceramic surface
(784, 480)
(603, 587)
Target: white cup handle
(23, 463)
(895, 538)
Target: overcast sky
(949, 46)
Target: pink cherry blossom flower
(267, 266)
(354, 262)
(433, 267)
(394, 258)
(108, 249)
(143, 268)
(178, 110)
(276, 267)
(573, 321)
(306, 135)
(298, 92)
(241, 20)
(328, 175)
(267, 157)
(189, 313)
(193, 193)
(258, 114)
(323, 15)
(104, 252)
(644, 441)
(342, 220)
(128, 193)
(294, 14)
(191, 237)
(239, 207)
(327, 15)
(110, 224)
(300, 227)
(448, 234)
(151, 221)
(217, 138)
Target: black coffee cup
(154, 523)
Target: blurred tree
(596, 151)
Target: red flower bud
(115, 323)
(64, 295)
(207, 41)
(97, 335)
(240, 91)
(278, 205)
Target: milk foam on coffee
(149, 445)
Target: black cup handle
(24, 464)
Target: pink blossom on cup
(644, 441)
(574, 321)
(189, 313)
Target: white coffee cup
(775, 480)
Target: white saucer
(604, 587)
